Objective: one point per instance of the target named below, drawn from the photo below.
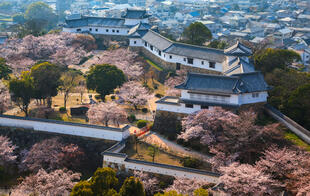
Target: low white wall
(121, 161)
(52, 126)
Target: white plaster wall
(129, 21)
(235, 99)
(177, 108)
(160, 170)
(101, 30)
(247, 98)
(138, 42)
(65, 129)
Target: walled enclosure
(53, 126)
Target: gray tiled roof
(139, 30)
(95, 21)
(135, 14)
(238, 65)
(238, 50)
(235, 84)
(192, 51)
(157, 40)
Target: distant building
(107, 26)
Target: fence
(54, 126)
(303, 133)
(112, 158)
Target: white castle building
(202, 91)
(106, 26)
(234, 81)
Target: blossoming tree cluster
(172, 81)
(59, 48)
(123, 59)
(5, 99)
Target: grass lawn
(151, 63)
(296, 140)
(161, 157)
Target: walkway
(163, 143)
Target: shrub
(158, 95)
(144, 110)
(113, 97)
(62, 109)
(141, 123)
(131, 118)
(190, 162)
(97, 97)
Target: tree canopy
(197, 34)
(268, 59)
(22, 90)
(132, 187)
(104, 79)
(4, 69)
(46, 80)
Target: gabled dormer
(135, 16)
(238, 50)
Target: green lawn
(296, 140)
(151, 63)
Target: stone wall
(171, 66)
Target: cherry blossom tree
(59, 48)
(134, 93)
(51, 154)
(106, 112)
(5, 99)
(150, 183)
(174, 80)
(7, 155)
(186, 186)
(230, 137)
(245, 179)
(124, 59)
(289, 166)
(58, 182)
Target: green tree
(201, 192)
(268, 59)
(19, 18)
(40, 17)
(68, 82)
(132, 187)
(4, 69)
(153, 151)
(83, 188)
(22, 91)
(103, 180)
(218, 44)
(104, 79)
(46, 77)
(197, 34)
(298, 106)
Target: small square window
(184, 59)
(190, 61)
(170, 56)
(90, 29)
(254, 95)
(178, 67)
(159, 52)
(135, 42)
(212, 65)
(117, 31)
(204, 107)
(96, 29)
(113, 31)
(202, 62)
(78, 30)
(151, 47)
(145, 44)
(189, 105)
(107, 30)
